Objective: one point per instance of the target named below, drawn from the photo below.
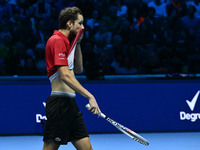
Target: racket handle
(102, 115)
(87, 106)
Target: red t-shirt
(56, 52)
(59, 51)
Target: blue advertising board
(141, 105)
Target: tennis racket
(124, 129)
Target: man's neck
(65, 32)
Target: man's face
(78, 24)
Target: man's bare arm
(78, 63)
(69, 79)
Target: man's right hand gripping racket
(124, 129)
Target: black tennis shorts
(64, 120)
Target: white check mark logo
(192, 103)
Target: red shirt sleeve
(60, 53)
(56, 53)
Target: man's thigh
(50, 145)
(82, 144)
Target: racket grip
(87, 106)
(102, 115)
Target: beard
(72, 35)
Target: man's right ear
(69, 24)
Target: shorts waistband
(59, 93)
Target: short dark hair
(69, 13)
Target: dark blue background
(141, 105)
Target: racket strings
(135, 136)
(140, 141)
(128, 132)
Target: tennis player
(64, 120)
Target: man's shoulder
(55, 39)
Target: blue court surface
(158, 141)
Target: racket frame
(124, 129)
